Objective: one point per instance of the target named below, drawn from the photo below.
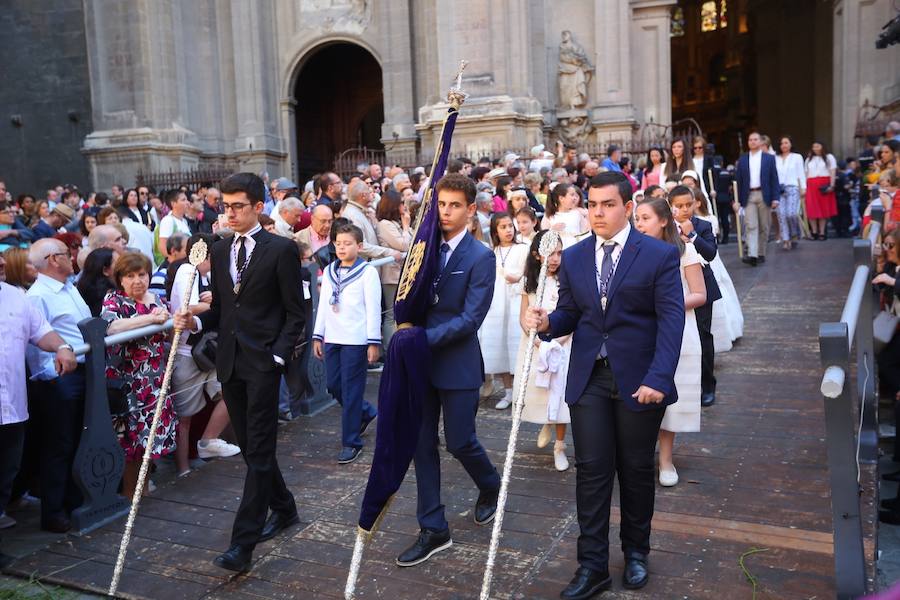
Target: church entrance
(340, 105)
(744, 64)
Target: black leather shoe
(635, 575)
(427, 545)
(891, 476)
(707, 399)
(365, 425)
(891, 504)
(761, 259)
(56, 524)
(486, 507)
(348, 455)
(276, 523)
(585, 584)
(889, 517)
(237, 558)
(750, 260)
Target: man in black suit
(695, 230)
(258, 310)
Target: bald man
(106, 236)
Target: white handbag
(884, 326)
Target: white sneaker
(668, 478)
(216, 448)
(544, 436)
(504, 402)
(560, 461)
(6, 521)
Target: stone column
(138, 118)
(398, 133)
(258, 146)
(612, 108)
(651, 55)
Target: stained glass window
(709, 18)
(723, 14)
(677, 28)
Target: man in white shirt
(22, 323)
(59, 399)
(179, 204)
(758, 193)
(286, 214)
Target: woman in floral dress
(139, 364)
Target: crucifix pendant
(237, 288)
(603, 302)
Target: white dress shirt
(620, 239)
(453, 243)
(249, 245)
(755, 168)
(357, 321)
(140, 238)
(63, 307)
(22, 323)
(790, 170)
(816, 167)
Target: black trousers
(252, 400)
(725, 213)
(707, 346)
(12, 440)
(611, 440)
(60, 404)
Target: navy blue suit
(706, 246)
(768, 179)
(464, 292)
(42, 230)
(614, 435)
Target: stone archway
(339, 104)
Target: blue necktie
(445, 251)
(605, 272)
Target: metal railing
(851, 435)
(100, 460)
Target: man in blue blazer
(463, 291)
(758, 194)
(628, 321)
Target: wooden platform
(754, 478)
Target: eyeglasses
(235, 206)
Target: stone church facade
(179, 85)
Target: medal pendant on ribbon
(603, 302)
(237, 287)
(436, 299)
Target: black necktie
(242, 253)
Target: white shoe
(668, 478)
(504, 402)
(6, 521)
(544, 436)
(559, 456)
(216, 448)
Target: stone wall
(45, 83)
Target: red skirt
(819, 205)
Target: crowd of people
(121, 256)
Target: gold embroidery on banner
(413, 264)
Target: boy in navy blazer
(627, 322)
(463, 290)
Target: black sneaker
(348, 455)
(427, 545)
(375, 367)
(365, 425)
(486, 507)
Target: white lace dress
(500, 332)
(684, 415)
(728, 318)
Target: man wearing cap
(51, 224)
(283, 186)
(611, 162)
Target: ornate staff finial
(456, 96)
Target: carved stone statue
(575, 71)
(575, 129)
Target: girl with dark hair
(131, 209)
(503, 185)
(96, 278)
(564, 213)
(654, 218)
(526, 222)
(395, 232)
(677, 163)
(517, 199)
(500, 332)
(545, 401)
(821, 203)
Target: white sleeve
(166, 226)
(324, 295)
(832, 163)
(38, 326)
(372, 296)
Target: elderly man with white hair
(106, 236)
(358, 211)
(59, 398)
(22, 324)
(400, 182)
(286, 215)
